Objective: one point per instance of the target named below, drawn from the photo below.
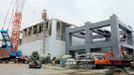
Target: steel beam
(83, 36)
(101, 44)
(77, 29)
(124, 27)
(77, 47)
(100, 24)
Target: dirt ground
(22, 69)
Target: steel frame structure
(112, 37)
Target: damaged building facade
(47, 36)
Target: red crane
(14, 16)
(16, 28)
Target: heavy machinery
(45, 58)
(35, 61)
(62, 59)
(109, 60)
(101, 60)
(88, 60)
(9, 50)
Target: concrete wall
(28, 48)
(52, 45)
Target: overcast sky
(74, 11)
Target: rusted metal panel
(4, 54)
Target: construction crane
(11, 44)
(17, 24)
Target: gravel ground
(22, 69)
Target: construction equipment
(45, 58)
(109, 60)
(62, 59)
(10, 45)
(35, 61)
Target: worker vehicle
(35, 61)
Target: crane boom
(16, 28)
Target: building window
(48, 27)
(35, 29)
(59, 31)
(41, 28)
(25, 32)
(30, 31)
(64, 26)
